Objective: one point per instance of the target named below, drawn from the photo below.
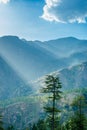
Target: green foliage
(1, 123)
(34, 127)
(41, 125)
(10, 127)
(80, 104)
(79, 120)
(76, 123)
(52, 88)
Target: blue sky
(43, 19)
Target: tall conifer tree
(52, 88)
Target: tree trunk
(53, 116)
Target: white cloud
(65, 11)
(4, 1)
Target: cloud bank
(4, 1)
(65, 11)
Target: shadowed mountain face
(11, 85)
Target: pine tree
(34, 127)
(52, 88)
(1, 123)
(78, 121)
(80, 107)
(10, 127)
(41, 125)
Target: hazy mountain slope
(82, 56)
(74, 77)
(11, 85)
(71, 78)
(29, 60)
(70, 50)
(21, 114)
(64, 47)
(76, 58)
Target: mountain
(75, 58)
(27, 58)
(21, 112)
(23, 65)
(11, 84)
(33, 59)
(71, 78)
(64, 47)
(27, 61)
(70, 50)
(74, 77)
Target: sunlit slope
(74, 77)
(11, 84)
(71, 78)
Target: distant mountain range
(64, 47)
(29, 59)
(24, 61)
(33, 59)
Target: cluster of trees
(77, 121)
(1, 123)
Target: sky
(43, 19)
